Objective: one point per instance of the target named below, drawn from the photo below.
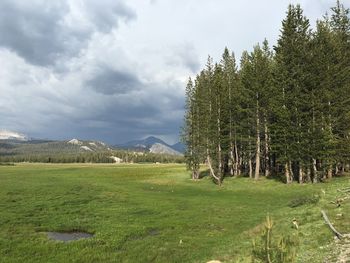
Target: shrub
(271, 250)
(304, 200)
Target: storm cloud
(116, 70)
(44, 31)
(109, 82)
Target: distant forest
(283, 111)
(100, 157)
(63, 152)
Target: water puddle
(69, 236)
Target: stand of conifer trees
(283, 112)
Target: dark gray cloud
(106, 14)
(78, 68)
(43, 31)
(109, 81)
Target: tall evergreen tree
(286, 111)
(292, 104)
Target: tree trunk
(267, 157)
(330, 172)
(217, 178)
(301, 174)
(257, 153)
(308, 175)
(218, 122)
(240, 161)
(236, 160)
(314, 171)
(250, 167)
(336, 169)
(291, 174)
(232, 159)
(195, 174)
(286, 173)
(250, 160)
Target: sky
(116, 70)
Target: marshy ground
(155, 213)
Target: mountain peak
(150, 141)
(163, 149)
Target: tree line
(283, 111)
(90, 157)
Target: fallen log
(325, 217)
(344, 190)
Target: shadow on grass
(203, 174)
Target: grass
(154, 213)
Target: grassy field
(155, 213)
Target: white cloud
(116, 70)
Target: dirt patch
(68, 236)
(340, 250)
(344, 249)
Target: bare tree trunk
(195, 174)
(232, 158)
(314, 171)
(308, 175)
(250, 160)
(217, 178)
(220, 170)
(236, 159)
(267, 157)
(330, 167)
(250, 167)
(219, 160)
(286, 172)
(240, 158)
(336, 169)
(291, 174)
(257, 153)
(301, 174)
(330, 172)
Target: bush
(270, 250)
(304, 200)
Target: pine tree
(231, 88)
(190, 131)
(291, 107)
(340, 25)
(284, 111)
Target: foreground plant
(272, 250)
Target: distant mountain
(141, 144)
(90, 146)
(154, 145)
(163, 149)
(180, 147)
(10, 146)
(14, 136)
(13, 143)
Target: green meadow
(155, 213)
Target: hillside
(10, 147)
(154, 145)
(163, 149)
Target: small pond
(68, 236)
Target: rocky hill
(154, 145)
